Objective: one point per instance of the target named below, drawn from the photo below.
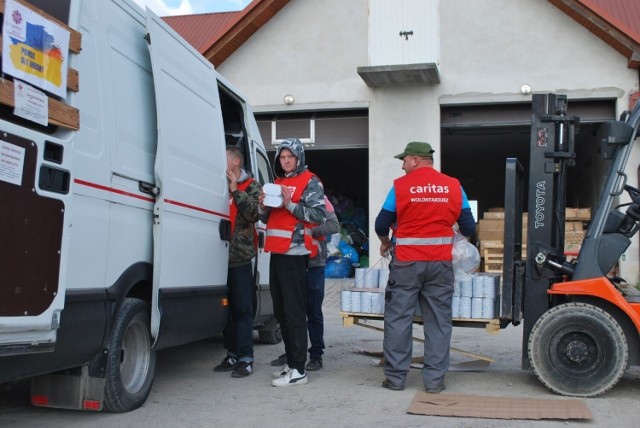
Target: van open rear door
(32, 251)
(192, 206)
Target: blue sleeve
(390, 203)
(465, 200)
(383, 223)
(466, 222)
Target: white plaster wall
(311, 50)
(489, 48)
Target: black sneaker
(387, 384)
(227, 364)
(437, 389)
(280, 361)
(314, 365)
(242, 369)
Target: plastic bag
(466, 257)
(349, 252)
(337, 267)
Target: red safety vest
(282, 223)
(233, 209)
(428, 204)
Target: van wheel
(578, 349)
(271, 332)
(131, 362)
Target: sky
(190, 7)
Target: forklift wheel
(578, 349)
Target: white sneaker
(283, 371)
(291, 378)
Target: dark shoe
(387, 384)
(436, 390)
(227, 364)
(280, 361)
(314, 365)
(242, 369)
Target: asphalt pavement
(347, 392)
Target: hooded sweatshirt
(310, 208)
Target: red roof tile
(218, 35)
(622, 14)
(200, 30)
(617, 22)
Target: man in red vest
(424, 205)
(290, 242)
(244, 194)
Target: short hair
(236, 152)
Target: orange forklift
(580, 324)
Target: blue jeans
(238, 333)
(315, 320)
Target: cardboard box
(490, 235)
(575, 237)
(491, 224)
(574, 226)
(578, 214)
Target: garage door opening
(477, 140)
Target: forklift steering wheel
(634, 193)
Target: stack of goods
(491, 236)
(476, 296)
(366, 296)
(576, 220)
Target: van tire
(270, 333)
(131, 362)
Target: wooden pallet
(350, 319)
(491, 325)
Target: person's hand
(233, 181)
(261, 201)
(385, 248)
(286, 195)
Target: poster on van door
(11, 163)
(37, 49)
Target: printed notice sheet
(11, 163)
(31, 103)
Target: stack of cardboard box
(491, 235)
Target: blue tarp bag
(337, 267)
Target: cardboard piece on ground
(475, 406)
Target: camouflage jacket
(242, 247)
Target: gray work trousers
(430, 284)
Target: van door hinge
(147, 37)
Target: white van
(114, 217)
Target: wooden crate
(493, 255)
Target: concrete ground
(346, 393)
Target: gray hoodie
(311, 206)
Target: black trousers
(288, 285)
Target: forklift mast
(551, 153)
